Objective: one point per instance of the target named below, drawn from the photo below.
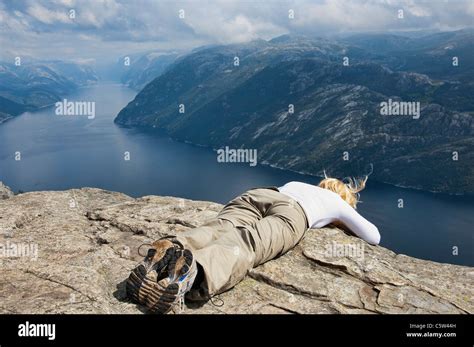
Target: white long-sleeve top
(323, 207)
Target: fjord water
(62, 152)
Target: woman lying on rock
(255, 227)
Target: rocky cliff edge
(70, 252)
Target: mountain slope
(429, 54)
(30, 86)
(146, 68)
(337, 110)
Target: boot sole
(156, 286)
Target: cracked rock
(85, 252)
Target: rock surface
(87, 241)
(5, 192)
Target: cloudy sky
(103, 30)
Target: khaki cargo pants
(253, 228)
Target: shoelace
(139, 247)
(215, 298)
(171, 237)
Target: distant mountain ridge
(34, 85)
(336, 107)
(145, 68)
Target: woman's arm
(358, 224)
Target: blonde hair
(349, 190)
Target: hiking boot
(162, 279)
(156, 260)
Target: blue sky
(104, 30)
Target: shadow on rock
(121, 295)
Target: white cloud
(68, 3)
(237, 29)
(108, 28)
(340, 16)
(47, 16)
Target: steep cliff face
(335, 108)
(75, 248)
